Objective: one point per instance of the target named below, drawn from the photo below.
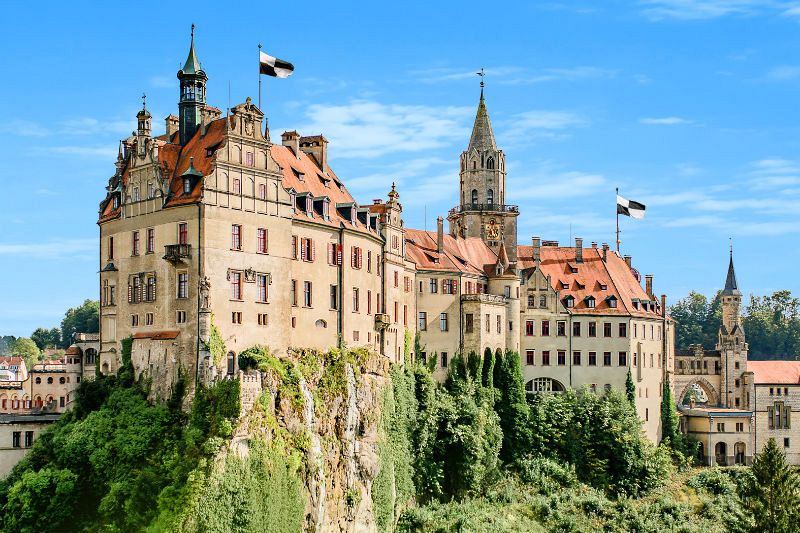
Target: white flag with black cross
(272, 66)
(630, 208)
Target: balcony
(495, 208)
(175, 253)
(484, 298)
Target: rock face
(332, 415)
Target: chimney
(578, 250)
(172, 126)
(292, 140)
(605, 252)
(648, 284)
(316, 145)
(594, 245)
(628, 260)
(664, 307)
(537, 246)
(440, 234)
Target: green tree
(512, 408)
(698, 319)
(46, 338)
(630, 389)
(772, 495)
(669, 416)
(41, 501)
(6, 342)
(772, 324)
(82, 319)
(27, 349)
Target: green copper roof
(192, 65)
(191, 171)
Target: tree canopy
(82, 319)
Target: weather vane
(482, 73)
(144, 101)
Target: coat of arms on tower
(493, 230)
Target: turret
(193, 94)
(731, 300)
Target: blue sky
(689, 106)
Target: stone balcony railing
(484, 298)
(177, 252)
(504, 208)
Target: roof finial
(144, 101)
(482, 74)
(731, 240)
(192, 32)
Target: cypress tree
(512, 408)
(488, 368)
(630, 389)
(669, 418)
(773, 495)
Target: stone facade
(219, 228)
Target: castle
(213, 230)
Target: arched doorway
(699, 390)
(543, 385)
(721, 454)
(231, 363)
(739, 450)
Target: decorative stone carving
(205, 298)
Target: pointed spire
(192, 65)
(482, 136)
(731, 286)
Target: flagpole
(259, 75)
(616, 209)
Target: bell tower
(193, 95)
(482, 211)
(732, 344)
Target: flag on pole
(629, 208)
(272, 66)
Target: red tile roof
(592, 274)
(775, 372)
(11, 360)
(73, 350)
(469, 256)
(157, 335)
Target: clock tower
(482, 211)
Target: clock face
(493, 230)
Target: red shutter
(130, 292)
(352, 257)
(359, 258)
(339, 254)
(313, 249)
(303, 249)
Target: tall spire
(192, 65)
(482, 136)
(731, 286)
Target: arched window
(38, 381)
(91, 356)
(474, 197)
(62, 380)
(490, 196)
(490, 163)
(49, 381)
(231, 363)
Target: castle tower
(732, 345)
(193, 95)
(482, 211)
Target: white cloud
(538, 123)
(783, 73)
(93, 126)
(24, 128)
(664, 121)
(700, 9)
(549, 180)
(512, 75)
(104, 152)
(775, 173)
(49, 250)
(369, 129)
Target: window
(606, 358)
(531, 299)
(307, 295)
(721, 427)
(187, 185)
(499, 324)
(562, 358)
(262, 191)
(407, 284)
(529, 357)
(262, 240)
(490, 196)
(542, 301)
(474, 197)
(576, 358)
(135, 243)
(183, 285)
(396, 278)
(294, 247)
(369, 260)
(576, 329)
(355, 257)
(590, 302)
(507, 291)
(606, 329)
(786, 442)
(443, 322)
(569, 301)
(236, 317)
(28, 439)
(134, 322)
(183, 233)
(490, 163)
(369, 306)
(261, 283)
(529, 325)
(444, 359)
(395, 314)
(623, 359)
(546, 358)
(545, 328)
(405, 315)
(110, 248)
(237, 186)
(623, 330)
(592, 358)
(15, 436)
(150, 289)
(593, 329)
(180, 317)
(422, 319)
(612, 302)
(561, 328)
(236, 237)
(249, 159)
(307, 250)
(434, 286)
(151, 240)
(488, 324)
(136, 194)
(355, 299)
(263, 320)
(236, 285)
(293, 292)
(149, 318)
(469, 323)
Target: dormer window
(569, 301)
(187, 185)
(590, 301)
(116, 201)
(603, 287)
(636, 304)
(309, 208)
(612, 302)
(564, 285)
(300, 176)
(325, 209)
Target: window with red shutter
(303, 249)
(294, 247)
(313, 252)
